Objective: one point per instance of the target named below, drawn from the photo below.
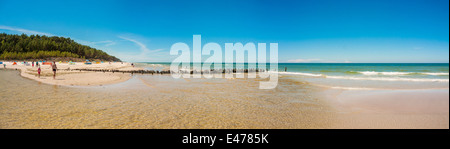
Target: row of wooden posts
(212, 71)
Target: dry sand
(75, 78)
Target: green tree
(42, 47)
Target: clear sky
(339, 31)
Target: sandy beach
(120, 100)
(66, 77)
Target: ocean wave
(302, 74)
(382, 73)
(437, 74)
(370, 73)
(368, 78)
(388, 79)
(401, 73)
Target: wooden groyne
(211, 71)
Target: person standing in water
(54, 69)
(39, 72)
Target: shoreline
(75, 78)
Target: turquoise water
(373, 75)
(434, 72)
(411, 72)
(356, 75)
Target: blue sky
(334, 31)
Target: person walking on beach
(32, 64)
(39, 72)
(54, 69)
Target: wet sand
(390, 109)
(161, 102)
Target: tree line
(21, 47)
(36, 55)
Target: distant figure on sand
(32, 64)
(4, 66)
(54, 69)
(39, 72)
(132, 64)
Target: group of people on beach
(37, 64)
(39, 68)
(54, 68)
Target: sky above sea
(307, 31)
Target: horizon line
(333, 63)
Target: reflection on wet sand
(160, 102)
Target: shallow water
(159, 101)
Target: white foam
(388, 79)
(302, 74)
(382, 73)
(437, 74)
(400, 73)
(373, 78)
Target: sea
(354, 76)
